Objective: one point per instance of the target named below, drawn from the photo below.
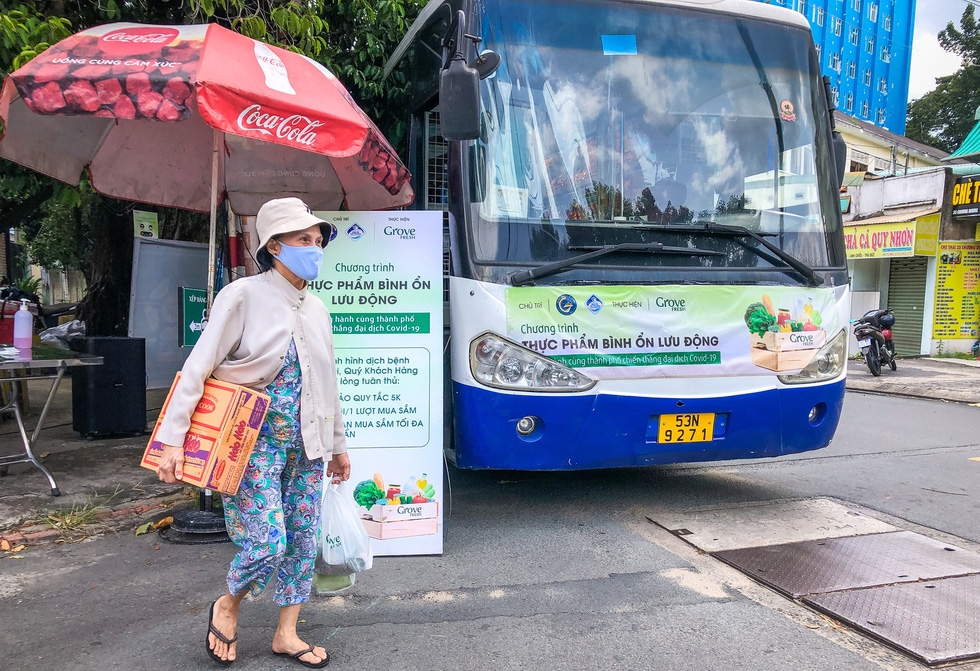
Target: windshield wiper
(793, 264)
(525, 276)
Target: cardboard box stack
(224, 428)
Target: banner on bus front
(620, 332)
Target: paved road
(554, 571)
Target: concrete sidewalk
(940, 379)
(103, 478)
(99, 479)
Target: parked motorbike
(874, 335)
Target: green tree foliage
(297, 26)
(25, 32)
(944, 116)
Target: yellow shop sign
(879, 241)
(927, 235)
(966, 197)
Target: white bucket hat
(285, 215)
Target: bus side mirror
(840, 156)
(837, 144)
(459, 101)
(459, 83)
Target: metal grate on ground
(833, 564)
(909, 591)
(936, 622)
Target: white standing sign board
(382, 282)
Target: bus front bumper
(573, 432)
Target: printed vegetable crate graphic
(781, 342)
(397, 511)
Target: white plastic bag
(345, 546)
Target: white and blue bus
(645, 258)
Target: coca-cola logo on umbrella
(296, 128)
(138, 40)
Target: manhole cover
(833, 564)
(935, 622)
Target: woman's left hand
(339, 467)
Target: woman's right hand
(171, 468)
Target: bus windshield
(606, 120)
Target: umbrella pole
(204, 525)
(212, 241)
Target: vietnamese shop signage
(382, 282)
(880, 240)
(966, 197)
(957, 291)
(191, 313)
(618, 332)
(927, 234)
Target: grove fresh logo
(594, 304)
(400, 232)
(355, 232)
(672, 304)
(565, 304)
(803, 338)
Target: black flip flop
(217, 634)
(296, 656)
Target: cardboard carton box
(223, 431)
(783, 360)
(401, 528)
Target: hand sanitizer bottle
(23, 329)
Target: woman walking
(267, 333)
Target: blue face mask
(303, 261)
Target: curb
(904, 394)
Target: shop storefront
(892, 263)
(957, 291)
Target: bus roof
(750, 8)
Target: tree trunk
(105, 308)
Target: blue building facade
(865, 48)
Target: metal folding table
(51, 364)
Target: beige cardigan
(245, 341)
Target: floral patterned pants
(275, 518)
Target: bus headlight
(497, 362)
(827, 365)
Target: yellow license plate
(689, 428)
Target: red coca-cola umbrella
(180, 116)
